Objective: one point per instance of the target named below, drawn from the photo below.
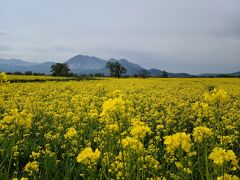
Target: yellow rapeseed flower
(132, 143)
(3, 77)
(216, 95)
(71, 132)
(87, 156)
(112, 105)
(220, 156)
(31, 167)
(177, 140)
(35, 155)
(140, 131)
(227, 177)
(200, 132)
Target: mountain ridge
(85, 64)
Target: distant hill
(132, 68)
(86, 64)
(183, 75)
(15, 62)
(158, 73)
(235, 74)
(16, 65)
(155, 72)
(81, 64)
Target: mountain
(17, 65)
(15, 62)
(209, 75)
(155, 72)
(158, 73)
(42, 67)
(81, 64)
(236, 74)
(130, 67)
(86, 64)
(180, 75)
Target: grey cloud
(3, 34)
(5, 48)
(181, 36)
(62, 48)
(40, 50)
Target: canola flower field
(37, 78)
(32, 77)
(120, 129)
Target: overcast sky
(193, 36)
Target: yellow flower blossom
(24, 178)
(187, 170)
(220, 156)
(21, 119)
(88, 156)
(216, 95)
(32, 167)
(112, 105)
(227, 177)
(3, 77)
(71, 132)
(35, 155)
(178, 140)
(200, 132)
(132, 143)
(139, 130)
(112, 127)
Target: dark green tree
(116, 69)
(28, 73)
(143, 73)
(59, 69)
(164, 74)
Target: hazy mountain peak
(79, 62)
(123, 61)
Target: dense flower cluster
(71, 133)
(3, 77)
(31, 167)
(132, 143)
(227, 177)
(88, 156)
(219, 94)
(201, 132)
(220, 156)
(177, 140)
(120, 129)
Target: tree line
(115, 70)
